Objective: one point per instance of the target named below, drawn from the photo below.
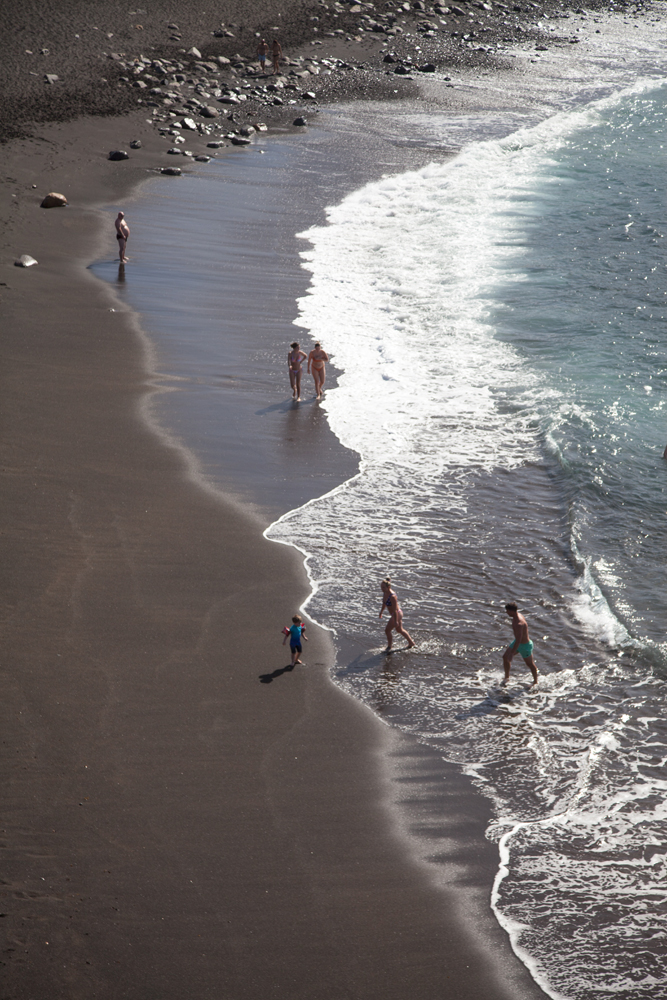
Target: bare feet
(410, 645)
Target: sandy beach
(141, 619)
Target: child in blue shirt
(296, 632)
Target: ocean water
(499, 320)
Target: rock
(261, 127)
(53, 200)
(215, 145)
(194, 52)
(25, 260)
(188, 124)
(173, 27)
(457, 11)
(202, 159)
(427, 68)
(135, 144)
(50, 78)
(228, 99)
(139, 84)
(402, 70)
(218, 33)
(389, 58)
(208, 112)
(171, 171)
(300, 121)
(277, 101)
(247, 130)
(175, 151)
(118, 154)
(308, 95)
(224, 61)
(541, 48)
(238, 140)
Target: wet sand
(142, 617)
(181, 815)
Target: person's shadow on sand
(268, 678)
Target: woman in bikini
(295, 360)
(395, 623)
(317, 368)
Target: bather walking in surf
(395, 623)
(295, 360)
(317, 368)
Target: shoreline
(115, 687)
(127, 803)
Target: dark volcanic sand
(140, 644)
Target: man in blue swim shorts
(522, 643)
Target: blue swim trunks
(524, 649)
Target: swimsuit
(295, 364)
(295, 637)
(119, 236)
(524, 649)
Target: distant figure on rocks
(317, 368)
(277, 53)
(122, 235)
(395, 623)
(522, 643)
(295, 360)
(262, 52)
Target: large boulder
(53, 200)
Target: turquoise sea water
(500, 322)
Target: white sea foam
(454, 497)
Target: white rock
(25, 260)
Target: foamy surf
(484, 467)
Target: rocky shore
(197, 73)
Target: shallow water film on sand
(500, 320)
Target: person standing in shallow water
(317, 367)
(395, 623)
(295, 360)
(122, 235)
(522, 643)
